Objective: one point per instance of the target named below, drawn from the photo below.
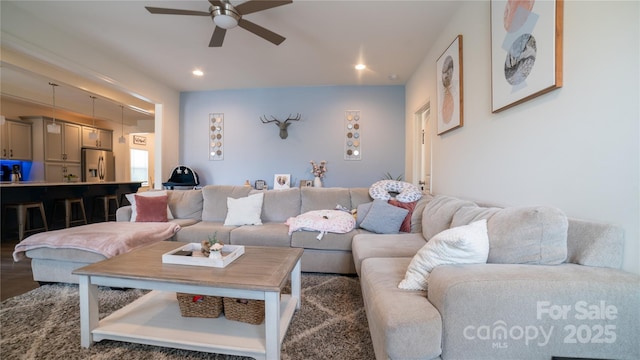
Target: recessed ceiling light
(361, 67)
(393, 77)
(198, 72)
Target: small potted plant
(212, 248)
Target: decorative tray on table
(191, 254)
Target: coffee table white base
(155, 318)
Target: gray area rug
(45, 324)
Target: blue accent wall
(253, 150)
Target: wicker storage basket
(199, 305)
(244, 310)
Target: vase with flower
(212, 248)
(318, 172)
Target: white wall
(576, 148)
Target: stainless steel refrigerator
(98, 165)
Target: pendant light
(93, 135)
(53, 128)
(122, 139)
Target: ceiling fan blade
(155, 10)
(218, 37)
(260, 31)
(216, 3)
(252, 6)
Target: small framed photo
(260, 184)
(304, 183)
(281, 181)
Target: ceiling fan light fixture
(53, 128)
(122, 139)
(93, 135)
(226, 21)
(226, 18)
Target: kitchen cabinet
(103, 141)
(16, 140)
(65, 146)
(58, 172)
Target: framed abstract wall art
(526, 50)
(449, 87)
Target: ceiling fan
(226, 16)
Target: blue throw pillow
(384, 218)
(363, 210)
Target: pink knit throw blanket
(106, 238)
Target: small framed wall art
(449, 87)
(216, 132)
(281, 181)
(352, 135)
(526, 50)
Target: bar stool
(24, 220)
(68, 204)
(105, 202)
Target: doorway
(422, 149)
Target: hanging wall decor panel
(216, 141)
(352, 135)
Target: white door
(422, 163)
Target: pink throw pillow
(151, 208)
(406, 224)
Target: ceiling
(325, 39)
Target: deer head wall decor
(283, 125)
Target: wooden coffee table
(155, 318)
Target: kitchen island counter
(30, 191)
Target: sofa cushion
(595, 244)
(203, 230)
(214, 207)
(151, 208)
(522, 235)
(330, 241)
(269, 234)
(185, 204)
(279, 205)
(368, 245)
(244, 211)
(500, 298)
(468, 214)
(438, 214)
(540, 235)
(467, 244)
(384, 218)
(359, 196)
(314, 198)
(403, 323)
(416, 217)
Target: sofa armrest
(124, 213)
(537, 311)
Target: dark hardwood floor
(15, 277)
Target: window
(140, 166)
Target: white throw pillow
(132, 200)
(467, 244)
(244, 211)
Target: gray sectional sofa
(552, 286)
(202, 213)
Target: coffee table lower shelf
(155, 319)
